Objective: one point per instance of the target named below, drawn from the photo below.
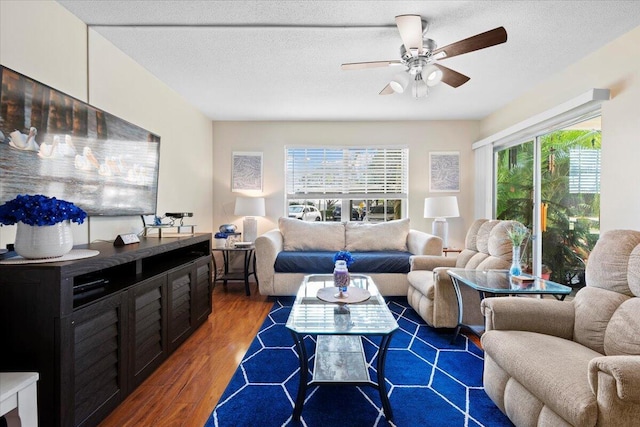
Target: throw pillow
(386, 236)
(300, 235)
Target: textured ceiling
(280, 60)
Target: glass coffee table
(339, 357)
(499, 283)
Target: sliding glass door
(552, 185)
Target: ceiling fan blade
(451, 77)
(373, 64)
(410, 28)
(477, 42)
(386, 91)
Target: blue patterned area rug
(430, 381)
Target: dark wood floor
(186, 388)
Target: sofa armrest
(544, 316)
(621, 371)
(421, 243)
(445, 302)
(430, 262)
(268, 246)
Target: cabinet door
(148, 328)
(202, 291)
(179, 297)
(99, 359)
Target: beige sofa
(323, 239)
(572, 363)
(431, 294)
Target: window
(584, 170)
(354, 178)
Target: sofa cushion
(499, 244)
(311, 236)
(475, 260)
(551, 368)
(482, 239)
(386, 236)
(470, 241)
(609, 260)
(494, 263)
(594, 308)
(633, 273)
(621, 336)
(322, 262)
(463, 257)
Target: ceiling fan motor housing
(428, 46)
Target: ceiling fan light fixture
(431, 75)
(399, 82)
(419, 89)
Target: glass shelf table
(339, 328)
(499, 283)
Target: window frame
(341, 179)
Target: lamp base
(249, 229)
(440, 228)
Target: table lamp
(249, 207)
(441, 208)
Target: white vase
(43, 241)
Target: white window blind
(347, 172)
(584, 170)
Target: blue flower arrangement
(220, 235)
(345, 256)
(39, 210)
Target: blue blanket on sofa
(322, 262)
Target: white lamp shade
(431, 75)
(441, 207)
(399, 82)
(249, 206)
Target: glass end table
(499, 283)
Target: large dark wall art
(56, 145)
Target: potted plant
(43, 224)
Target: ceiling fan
(421, 57)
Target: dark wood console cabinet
(95, 328)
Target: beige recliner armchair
(572, 363)
(431, 293)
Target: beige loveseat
(315, 243)
(431, 293)
(573, 363)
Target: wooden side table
(249, 266)
(19, 398)
(446, 251)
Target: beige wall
(52, 46)
(271, 138)
(615, 67)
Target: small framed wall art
(444, 171)
(246, 171)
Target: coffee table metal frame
(345, 324)
(498, 283)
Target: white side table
(19, 398)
